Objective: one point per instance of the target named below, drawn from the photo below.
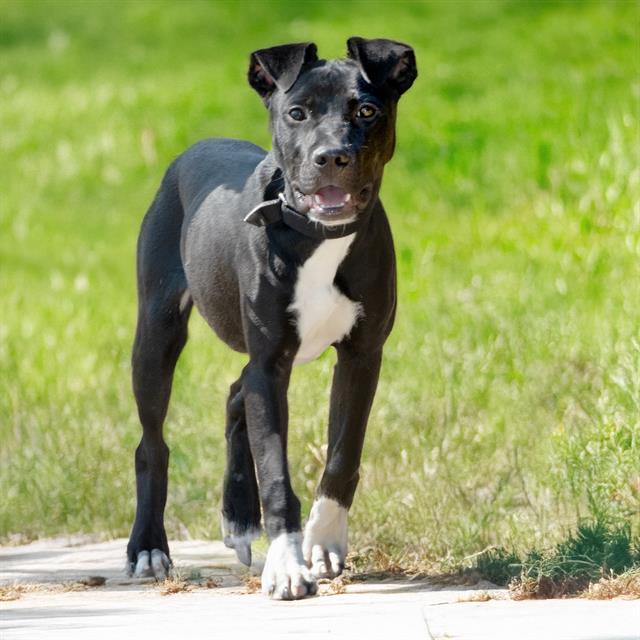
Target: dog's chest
(323, 315)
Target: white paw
(285, 575)
(240, 542)
(325, 538)
(150, 565)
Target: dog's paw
(285, 575)
(325, 538)
(239, 540)
(155, 564)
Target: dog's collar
(276, 210)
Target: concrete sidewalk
(369, 610)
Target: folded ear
(384, 63)
(279, 67)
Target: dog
(284, 253)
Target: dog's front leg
(355, 380)
(285, 575)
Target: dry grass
(212, 583)
(476, 596)
(545, 587)
(252, 584)
(333, 587)
(462, 578)
(375, 563)
(11, 592)
(174, 584)
(625, 586)
(16, 591)
(178, 582)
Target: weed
(597, 558)
(498, 566)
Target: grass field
(509, 404)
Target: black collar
(277, 210)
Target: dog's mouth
(332, 204)
(330, 200)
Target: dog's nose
(324, 156)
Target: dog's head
(333, 121)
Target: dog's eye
(297, 114)
(367, 111)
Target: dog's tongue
(330, 197)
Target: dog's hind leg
(163, 313)
(241, 500)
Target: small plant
(596, 553)
(498, 565)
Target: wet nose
(326, 156)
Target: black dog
(283, 253)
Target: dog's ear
(279, 67)
(384, 63)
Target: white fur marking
(285, 575)
(323, 314)
(325, 538)
(240, 543)
(151, 565)
(184, 300)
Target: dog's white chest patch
(323, 314)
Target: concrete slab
(370, 610)
(570, 619)
(71, 559)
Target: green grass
(509, 404)
(596, 551)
